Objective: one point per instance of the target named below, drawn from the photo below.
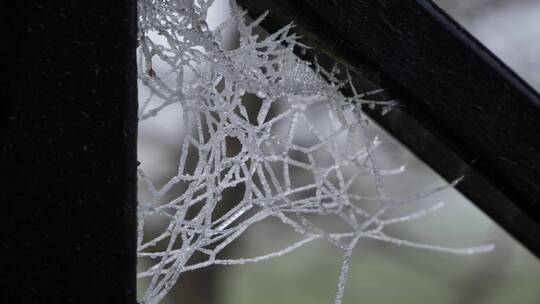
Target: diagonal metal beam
(464, 112)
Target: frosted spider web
(261, 123)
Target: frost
(294, 152)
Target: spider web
(264, 125)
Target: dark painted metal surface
(464, 112)
(68, 151)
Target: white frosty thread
(303, 128)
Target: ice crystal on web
(262, 123)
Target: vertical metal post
(68, 124)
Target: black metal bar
(68, 151)
(464, 111)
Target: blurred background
(380, 272)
